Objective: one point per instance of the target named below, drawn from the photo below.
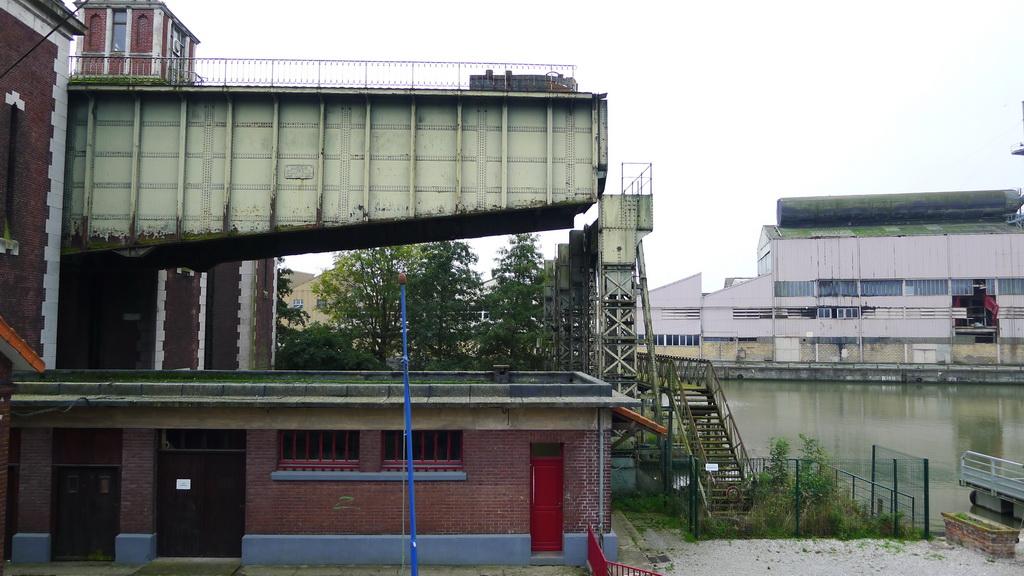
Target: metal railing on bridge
(401, 74)
(994, 476)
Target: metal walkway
(997, 477)
(194, 162)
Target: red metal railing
(601, 566)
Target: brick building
(33, 127)
(509, 467)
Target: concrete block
(326, 549)
(134, 548)
(574, 548)
(30, 548)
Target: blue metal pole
(408, 433)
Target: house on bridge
(307, 468)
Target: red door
(546, 497)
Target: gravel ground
(641, 546)
(833, 557)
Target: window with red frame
(318, 449)
(431, 449)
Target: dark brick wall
(495, 499)
(138, 477)
(222, 296)
(181, 324)
(33, 79)
(36, 474)
(5, 444)
(263, 325)
(107, 316)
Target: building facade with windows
(907, 278)
(303, 297)
(508, 466)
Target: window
(925, 288)
(318, 449)
(785, 288)
(321, 304)
(881, 288)
(431, 449)
(837, 287)
(847, 312)
(1011, 286)
(824, 312)
(117, 42)
(297, 303)
(202, 439)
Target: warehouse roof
(179, 389)
(935, 229)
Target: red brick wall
(495, 499)
(34, 484)
(33, 79)
(138, 477)
(142, 31)
(181, 325)
(95, 39)
(222, 316)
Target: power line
(43, 39)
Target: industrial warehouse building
(919, 278)
(307, 468)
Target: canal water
(934, 421)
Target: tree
(515, 307)
(444, 303)
(321, 347)
(361, 295)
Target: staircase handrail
(729, 421)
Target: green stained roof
(936, 229)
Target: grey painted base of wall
(134, 548)
(30, 548)
(909, 373)
(456, 549)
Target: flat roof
(880, 230)
(177, 389)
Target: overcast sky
(736, 103)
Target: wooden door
(87, 515)
(545, 497)
(200, 504)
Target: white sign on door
(183, 484)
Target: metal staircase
(708, 429)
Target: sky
(736, 103)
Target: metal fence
(809, 500)
(407, 74)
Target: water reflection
(934, 421)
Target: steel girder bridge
(192, 162)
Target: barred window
(1011, 286)
(881, 288)
(925, 287)
(788, 288)
(837, 287)
(431, 449)
(318, 449)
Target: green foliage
(646, 510)
(515, 307)
(320, 347)
(361, 296)
(443, 307)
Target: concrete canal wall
(912, 373)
